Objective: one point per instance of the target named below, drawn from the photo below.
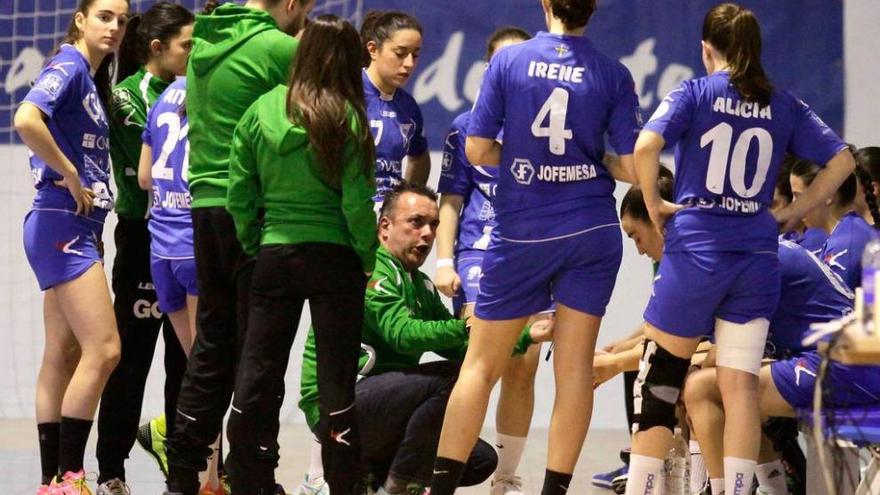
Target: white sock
(316, 466)
(698, 467)
(645, 475)
(771, 478)
(717, 485)
(738, 475)
(510, 451)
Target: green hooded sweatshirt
(131, 99)
(404, 318)
(273, 166)
(238, 54)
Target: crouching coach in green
(303, 154)
(400, 402)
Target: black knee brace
(658, 387)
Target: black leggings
(138, 318)
(331, 278)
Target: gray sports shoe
(113, 487)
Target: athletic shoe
(151, 437)
(506, 485)
(604, 480)
(618, 485)
(316, 486)
(44, 490)
(71, 484)
(207, 490)
(113, 487)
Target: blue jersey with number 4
(556, 97)
(727, 155)
(66, 93)
(398, 131)
(171, 213)
(475, 183)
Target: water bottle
(870, 269)
(676, 466)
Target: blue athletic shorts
(523, 278)
(845, 386)
(60, 245)
(468, 265)
(691, 289)
(174, 280)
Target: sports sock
(510, 451)
(555, 483)
(645, 475)
(316, 467)
(717, 485)
(738, 474)
(698, 467)
(447, 473)
(74, 433)
(771, 478)
(49, 435)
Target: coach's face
(409, 229)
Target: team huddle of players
(253, 149)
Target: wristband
(443, 262)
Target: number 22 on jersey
(176, 133)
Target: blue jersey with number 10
(555, 97)
(171, 213)
(727, 156)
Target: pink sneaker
(71, 484)
(44, 490)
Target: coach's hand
(447, 281)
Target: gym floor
(20, 460)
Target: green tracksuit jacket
(404, 318)
(272, 166)
(238, 54)
(131, 99)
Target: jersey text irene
(558, 72)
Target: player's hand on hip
(661, 212)
(787, 218)
(447, 281)
(83, 196)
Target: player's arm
(824, 185)
(145, 165)
(647, 168)
(446, 278)
(622, 168)
(244, 185)
(418, 168)
(484, 151)
(31, 127)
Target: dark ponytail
(163, 21)
(734, 31)
(128, 60)
(867, 165)
(574, 14)
(380, 25)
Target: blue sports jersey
(843, 248)
(555, 97)
(66, 93)
(171, 213)
(398, 131)
(476, 184)
(726, 149)
(811, 293)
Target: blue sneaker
(606, 480)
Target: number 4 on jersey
(556, 107)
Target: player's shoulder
(405, 101)
(460, 123)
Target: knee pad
(658, 387)
(741, 345)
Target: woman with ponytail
(868, 173)
(720, 269)
(153, 53)
(62, 121)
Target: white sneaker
(113, 487)
(506, 485)
(316, 486)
